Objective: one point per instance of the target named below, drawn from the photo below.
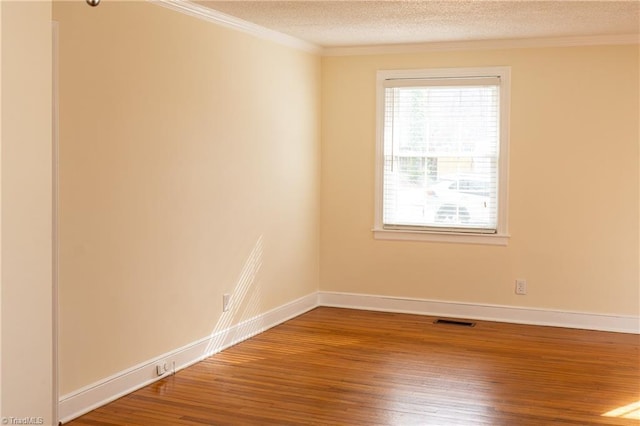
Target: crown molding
(187, 7)
(483, 45)
(192, 9)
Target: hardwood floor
(338, 366)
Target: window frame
(501, 237)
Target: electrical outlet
(521, 287)
(226, 300)
(161, 368)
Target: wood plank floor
(338, 366)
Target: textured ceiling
(363, 23)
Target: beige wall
(169, 192)
(1, 36)
(573, 203)
(190, 167)
(26, 384)
(189, 153)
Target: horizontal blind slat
(442, 82)
(441, 148)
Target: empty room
(320, 212)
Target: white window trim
(501, 237)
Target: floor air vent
(461, 323)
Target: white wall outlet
(521, 287)
(162, 368)
(226, 300)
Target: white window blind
(441, 154)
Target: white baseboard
(512, 314)
(90, 397)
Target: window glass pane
(441, 150)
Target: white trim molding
(520, 43)
(499, 313)
(81, 401)
(441, 237)
(497, 77)
(201, 12)
(55, 208)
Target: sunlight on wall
(629, 411)
(244, 305)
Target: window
(442, 155)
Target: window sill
(441, 237)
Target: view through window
(442, 142)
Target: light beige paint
(189, 168)
(573, 198)
(1, 386)
(26, 269)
